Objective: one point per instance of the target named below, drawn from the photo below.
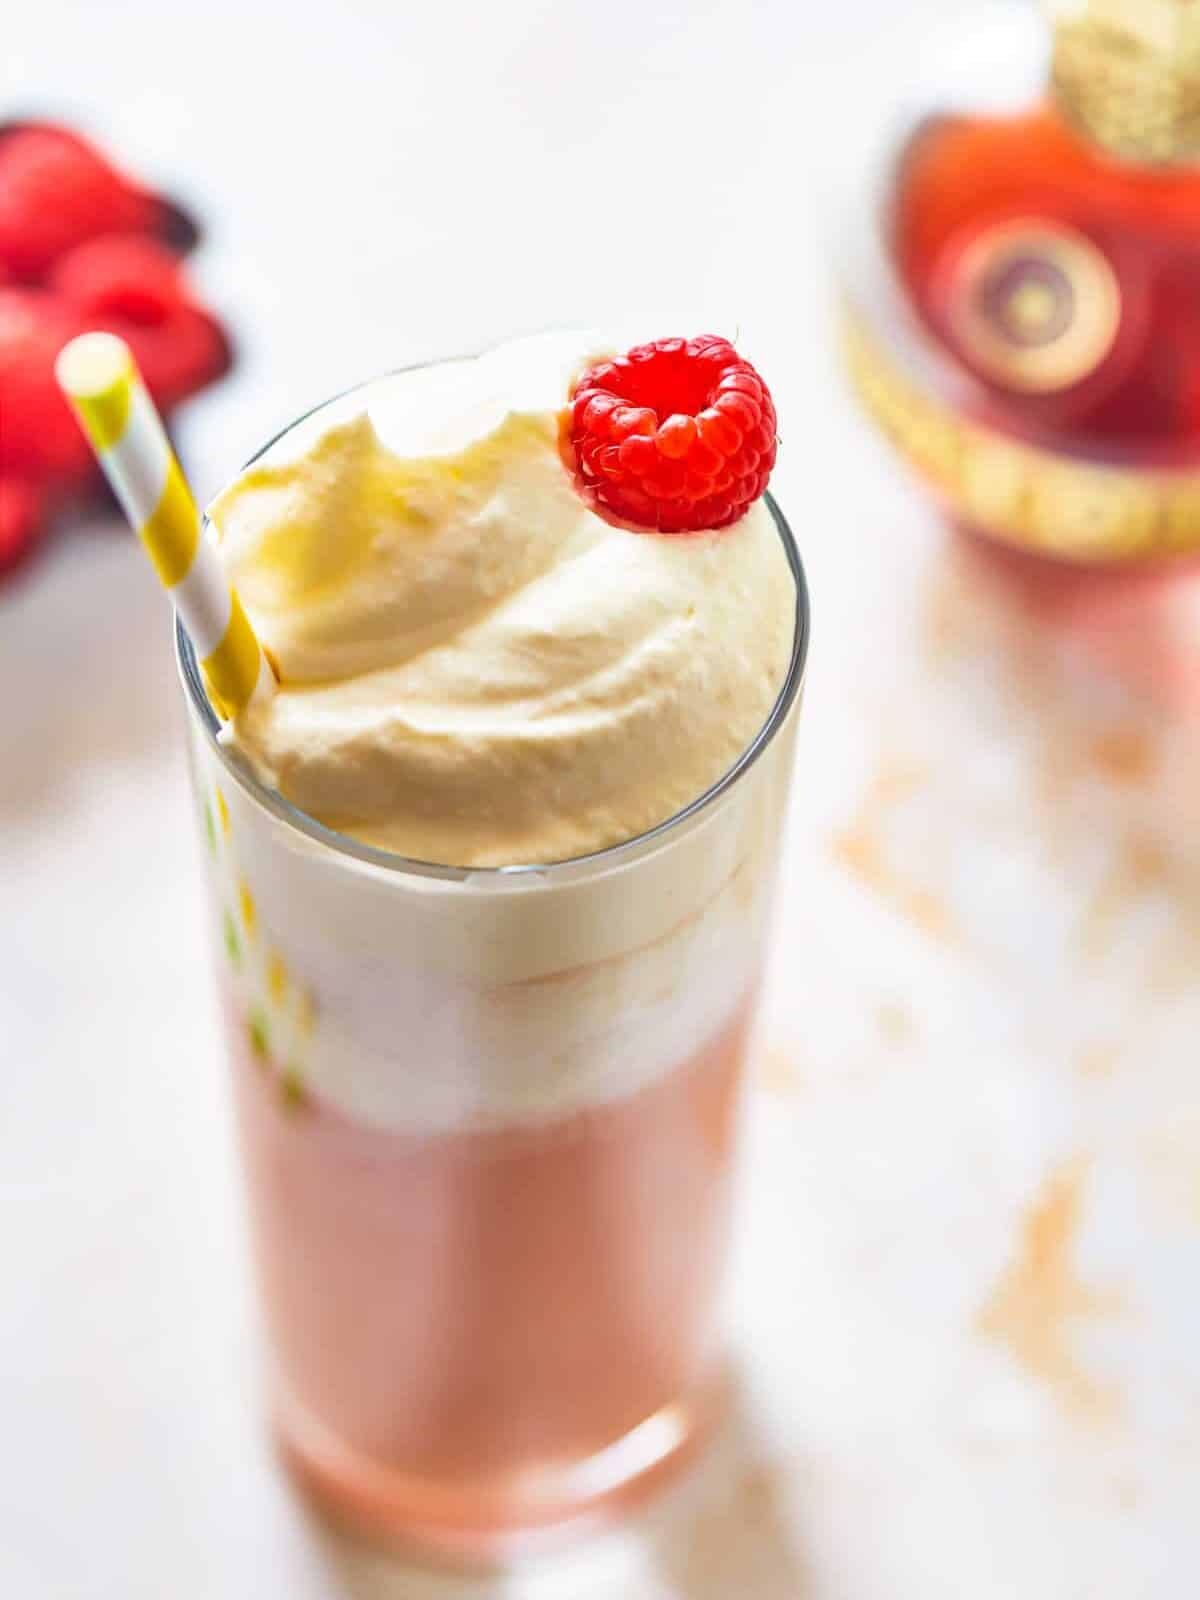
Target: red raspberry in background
(38, 435)
(128, 276)
(82, 247)
(136, 287)
(57, 191)
(21, 518)
(178, 355)
(676, 435)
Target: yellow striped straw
(99, 377)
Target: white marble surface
(966, 1294)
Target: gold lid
(1127, 74)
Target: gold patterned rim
(1070, 509)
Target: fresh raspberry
(21, 519)
(56, 191)
(676, 435)
(128, 276)
(38, 435)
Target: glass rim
(613, 855)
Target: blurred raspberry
(82, 247)
(39, 436)
(21, 519)
(135, 287)
(181, 355)
(128, 276)
(56, 191)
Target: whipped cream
(429, 1007)
(474, 667)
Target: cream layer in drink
(487, 1113)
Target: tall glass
(487, 1120)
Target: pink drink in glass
(488, 1121)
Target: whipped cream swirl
(475, 668)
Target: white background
(990, 929)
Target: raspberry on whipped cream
(676, 435)
(477, 668)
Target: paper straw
(99, 377)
